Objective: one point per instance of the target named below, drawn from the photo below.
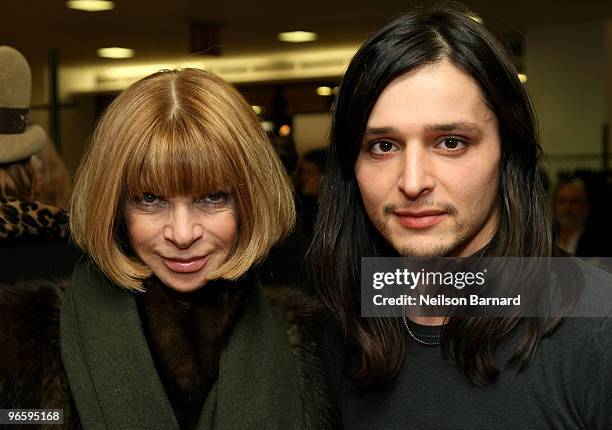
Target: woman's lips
(181, 265)
(419, 220)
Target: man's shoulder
(595, 274)
(586, 328)
(596, 298)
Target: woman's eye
(214, 198)
(382, 147)
(148, 199)
(452, 144)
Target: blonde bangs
(181, 158)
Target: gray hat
(18, 140)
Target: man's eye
(452, 144)
(382, 147)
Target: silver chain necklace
(415, 338)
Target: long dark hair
(344, 233)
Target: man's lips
(185, 265)
(419, 219)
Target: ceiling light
(91, 5)
(284, 130)
(324, 91)
(297, 36)
(267, 125)
(522, 77)
(115, 52)
(257, 109)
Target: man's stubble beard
(441, 250)
(460, 233)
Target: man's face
(572, 205)
(310, 179)
(429, 164)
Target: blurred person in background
(310, 175)
(285, 149)
(167, 325)
(284, 265)
(312, 169)
(34, 239)
(53, 183)
(577, 233)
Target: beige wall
(310, 131)
(568, 82)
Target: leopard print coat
(28, 220)
(34, 242)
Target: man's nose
(416, 177)
(183, 227)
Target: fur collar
(22, 220)
(185, 333)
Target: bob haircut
(182, 132)
(344, 233)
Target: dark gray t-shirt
(567, 385)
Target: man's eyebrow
(453, 126)
(379, 131)
(450, 126)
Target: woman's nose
(183, 228)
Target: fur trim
(31, 371)
(185, 334)
(304, 318)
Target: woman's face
(182, 238)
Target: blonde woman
(166, 326)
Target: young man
(434, 153)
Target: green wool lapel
(115, 384)
(110, 369)
(258, 384)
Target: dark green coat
(269, 373)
